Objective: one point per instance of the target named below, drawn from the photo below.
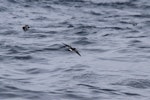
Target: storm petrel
(26, 27)
(72, 49)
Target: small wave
(127, 22)
(40, 18)
(71, 1)
(96, 50)
(131, 94)
(144, 46)
(82, 33)
(141, 36)
(3, 9)
(10, 32)
(115, 28)
(115, 3)
(81, 26)
(135, 83)
(83, 41)
(84, 30)
(23, 57)
(13, 91)
(141, 16)
(135, 41)
(12, 1)
(34, 71)
(97, 89)
(139, 45)
(53, 47)
(75, 3)
(10, 95)
(108, 34)
(77, 68)
(88, 77)
(13, 49)
(123, 59)
(95, 13)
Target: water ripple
(136, 83)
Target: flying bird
(70, 48)
(25, 28)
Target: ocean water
(112, 36)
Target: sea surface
(112, 36)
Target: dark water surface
(113, 37)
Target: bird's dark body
(26, 27)
(70, 48)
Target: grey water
(112, 36)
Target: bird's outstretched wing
(72, 49)
(67, 45)
(78, 52)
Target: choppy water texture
(112, 36)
